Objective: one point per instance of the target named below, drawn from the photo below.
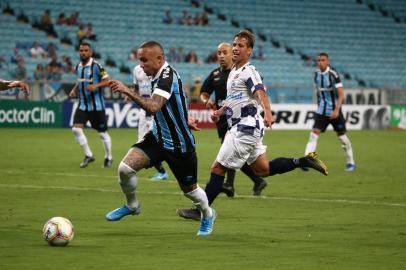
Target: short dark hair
(85, 44)
(248, 35)
(323, 54)
(150, 44)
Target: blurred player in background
(91, 78)
(243, 142)
(5, 85)
(330, 96)
(142, 86)
(170, 139)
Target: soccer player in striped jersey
(170, 139)
(91, 78)
(330, 96)
(142, 85)
(242, 144)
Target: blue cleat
(159, 176)
(350, 167)
(206, 224)
(121, 212)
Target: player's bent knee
(125, 172)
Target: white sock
(128, 182)
(346, 145)
(107, 144)
(81, 139)
(199, 198)
(312, 143)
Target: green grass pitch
(302, 221)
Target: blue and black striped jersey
(170, 127)
(327, 83)
(91, 73)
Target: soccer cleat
(258, 187)
(228, 190)
(305, 169)
(86, 161)
(189, 213)
(314, 162)
(206, 224)
(107, 163)
(350, 167)
(121, 212)
(159, 176)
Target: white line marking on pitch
(341, 201)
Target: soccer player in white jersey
(243, 142)
(142, 85)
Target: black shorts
(222, 128)
(183, 165)
(98, 119)
(321, 122)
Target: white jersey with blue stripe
(327, 83)
(242, 108)
(142, 80)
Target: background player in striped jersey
(330, 96)
(243, 141)
(91, 78)
(170, 139)
(142, 86)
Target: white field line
(71, 188)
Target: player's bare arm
(5, 85)
(73, 92)
(103, 83)
(150, 105)
(336, 112)
(192, 123)
(205, 98)
(266, 105)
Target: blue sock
(214, 187)
(282, 165)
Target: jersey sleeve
(337, 80)
(103, 73)
(164, 84)
(252, 79)
(207, 86)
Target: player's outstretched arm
(150, 105)
(103, 83)
(5, 85)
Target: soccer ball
(58, 231)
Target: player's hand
(193, 123)
(269, 120)
(118, 86)
(91, 87)
(72, 94)
(210, 105)
(23, 86)
(215, 115)
(334, 114)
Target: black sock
(214, 187)
(246, 169)
(283, 165)
(230, 177)
(159, 167)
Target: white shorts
(144, 124)
(239, 148)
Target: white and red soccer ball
(58, 231)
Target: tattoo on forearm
(151, 105)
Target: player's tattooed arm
(151, 105)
